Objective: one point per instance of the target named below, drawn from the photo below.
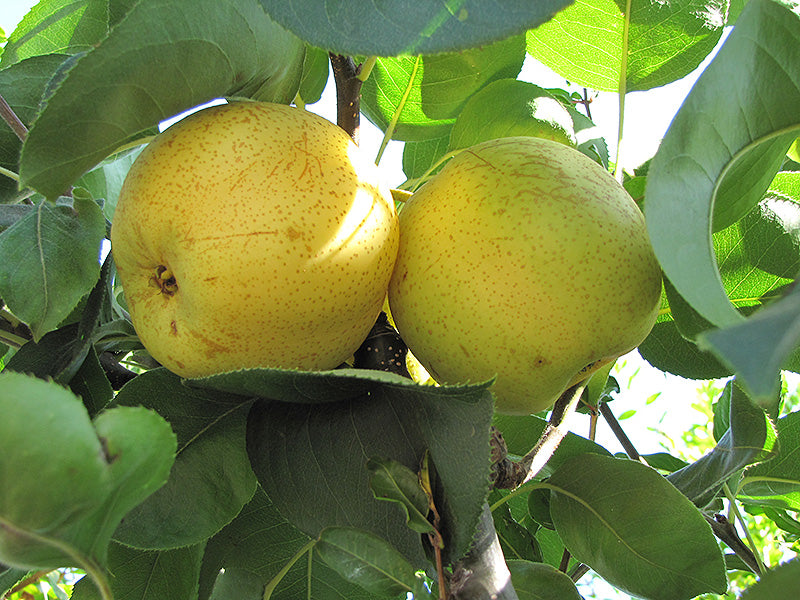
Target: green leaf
(304, 387)
(418, 157)
(407, 26)
(781, 475)
(60, 354)
(594, 44)
(781, 583)
(315, 75)
(150, 575)
(67, 487)
(750, 438)
(508, 107)
(757, 257)
(162, 58)
(758, 347)
(260, 547)
(105, 180)
(539, 581)
(320, 451)
(57, 26)
(421, 96)
(704, 146)
(51, 262)
(366, 560)
(390, 480)
(211, 479)
(49, 479)
(140, 448)
(635, 529)
(23, 84)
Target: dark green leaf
(539, 581)
(57, 26)
(594, 43)
(780, 583)
(164, 57)
(408, 26)
(635, 529)
(516, 540)
(302, 451)
(304, 387)
(666, 349)
(148, 575)
(366, 560)
(749, 439)
(9, 577)
(211, 479)
(390, 480)
(239, 584)
(261, 547)
(421, 96)
(51, 260)
(708, 140)
(91, 384)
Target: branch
(621, 436)
(383, 350)
(507, 474)
(348, 93)
(10, 117)
(483, 574)
(725, 531)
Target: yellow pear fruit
(253, 235)
(525, 260)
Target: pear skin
(253, 235)
(525, 261)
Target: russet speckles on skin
(522, 259)
(253, 235)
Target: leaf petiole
(275, 581)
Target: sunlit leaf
(593, 42)
(57, 26)
(708, 141)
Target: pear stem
(348, 93)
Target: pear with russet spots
(524, 260)
(253, 235)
